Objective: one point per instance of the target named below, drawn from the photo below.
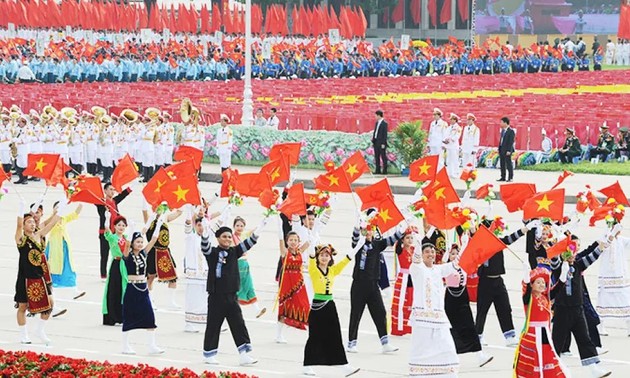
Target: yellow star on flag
(424, 168)
(40, 164)
(181, 193)
(384, 215)
(275, 173)
(352, 170)
(439, 193)
(333, 180)
(160, 184)
(544, 203)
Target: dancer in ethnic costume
(246, 293)
(31, 291)
(403, 287)
(116, 282)
(325, 345)
(137, 309)
(195, 272)
(293, 305)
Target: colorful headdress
(322, 247)
(540, 272)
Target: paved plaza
(80, 333)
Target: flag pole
(515, 255)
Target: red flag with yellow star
(294, 202)
(183, 169)
(548, 204)
(373, 194)
(125, 172)
(152, 191)
(441, 189)
(252, 184)
(355, 166)
(388, 215)
(440, 216)
(423, 169)
(514, 195)
(41, 165)
(88, 190)
(184, 153)
(277, 170)
(289, 150)
(615, 191)
(333, 181)
(180, 192)
(59, 175)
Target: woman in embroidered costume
(325, 345)
(137, 309)
(246, 294)
(31, 291)
(535, 356)
(59, 254)
(432, 349)
(116, 282)
(195, 270)
(457, 308)
(293, 304)
(403, 287)
(160, 262)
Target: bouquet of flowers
(615, 215)
(322, 203)
(497, 226)
(417, 208)
(469, 175)
(570, 251)
(582, 203)
(269, 199)
(469, 214)
(234, 198)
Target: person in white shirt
(273, 121)
(546, 146)
(436, 135)
(25, 74)
(451, 145)
(260, 120)
(610, 52)
(224, 143)
(470, 141)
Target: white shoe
(349, 370)
(245, 359)
(483, 358)
(482, 341)
(42, 336)
(598, 372)
(128, 350)
(511, 342)
(281, 340)
(307, 370)
(25, 340)
(211, 360)
(389, 348)
(601, 350)
(566, 354)
(189, 328)
(352, 349)
(154, 349)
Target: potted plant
(410, 141)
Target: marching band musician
(75, 144)
(91, 140)
(5, 143)
(21, 140)
(451, 144)
(436, 136)
(106, 142)
(169, 139)
(470, 141)
(147, 150)
(224, 143)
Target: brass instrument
(186, 110)
(152, 113)
(129, 115)
(68, 112)
(50, 111)
(98, 111)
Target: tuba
(186, 110)
(130, 115)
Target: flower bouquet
(269, 199)
(469, 175)
(570, 251)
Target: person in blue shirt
(487, 62)
(534, 63)
(73, 70)
(222, 70)
(305, 69)
(161, 69)
(256, 68)
(117, 72)
(192, 71)
(338, 67)
(584, 63)
(597, 62)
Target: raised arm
(122, 195)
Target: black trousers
(222, 306)
(489, 291)
(570, 320)
(104, 245)
(380, 158)
(366, 293)
(566, 157)
(602, 153)
(505, 161)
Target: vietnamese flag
(125, 172)
(561, 179)
(558, 248)
(152, 191)
(515, 195)
(277, 170)
(4, 176)
(184, 153)
(41, 165)
(88, 190)
(333, 181)
(423, 169)
(252, 184)
(268, 198)
(355, 166)
(180, 192)
(482, 246)
(440, 216)
(545, 205)
(291, 150)
(615, 191)
(59, 175)
(372, 195)
(294, 202)
(182, 170)
(441, 188)
(230, 176)
(388, 215)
